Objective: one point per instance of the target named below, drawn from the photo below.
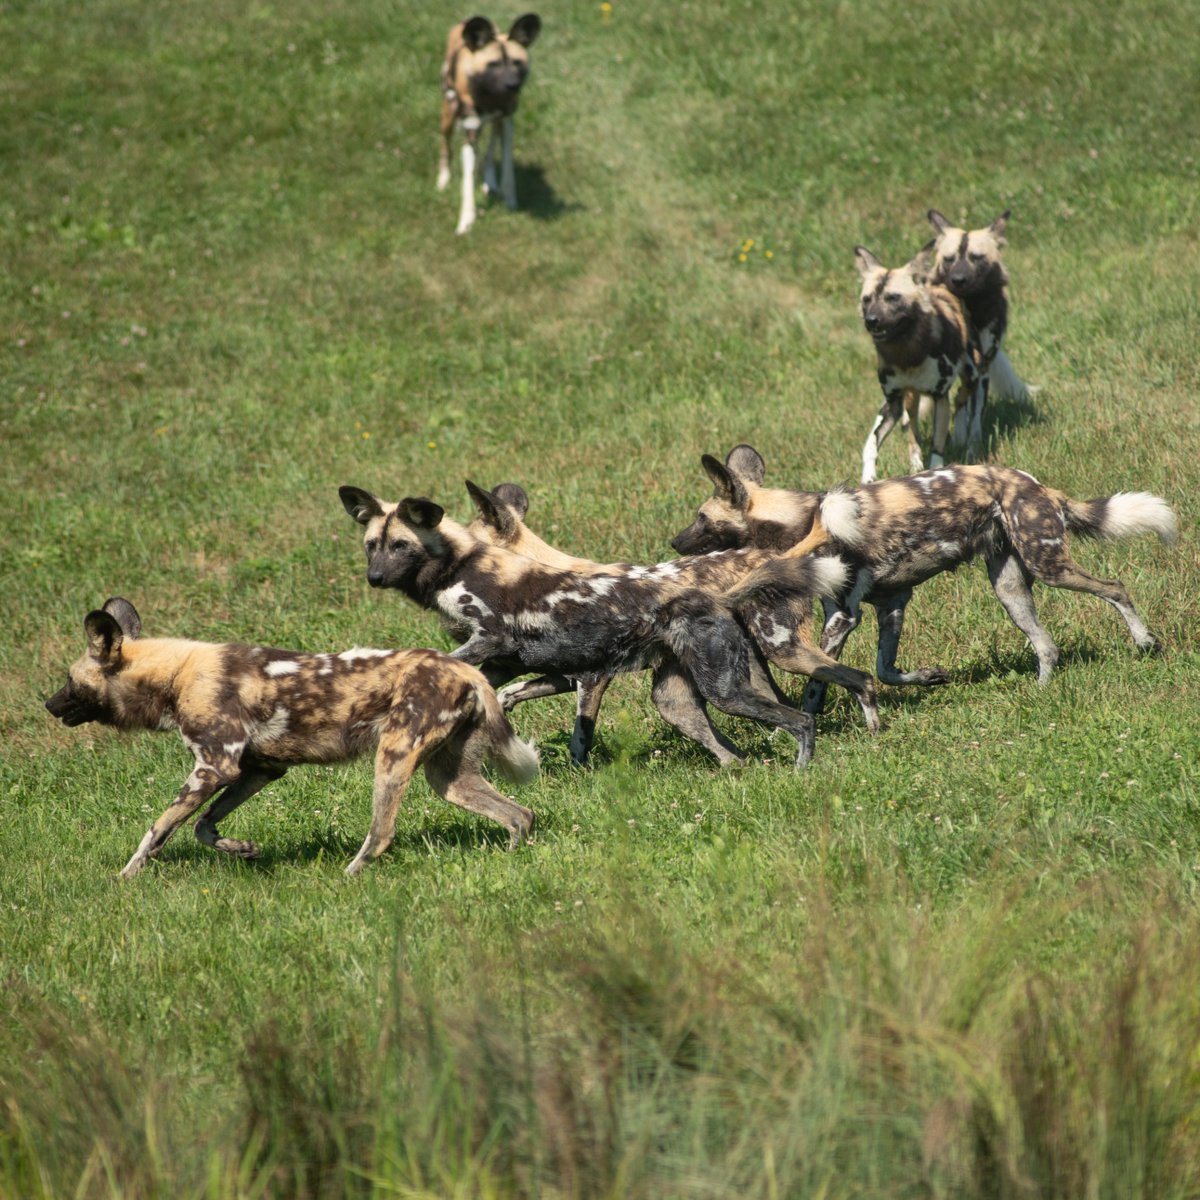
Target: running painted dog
(501, 522)
(922, 346)
(516, 616)
(482, 75)
(897, 533)
(968, 263)
(248, 713)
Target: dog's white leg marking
(466, 216)
(443, 176)
(508, 174)
(870, 450)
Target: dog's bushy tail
(1005, 384)
(516, 760)
(1126, 514)
(790, 581)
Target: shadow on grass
(537, 197)
(1005, 418)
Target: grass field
(956, 960)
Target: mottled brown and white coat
(501, 522)
(248, 713)
(897, 533)
(968, 263)
(515, 616)
(921, 348)
(482, 76)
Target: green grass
(956, 960)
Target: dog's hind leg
(252, 780)
(214, 770)
(730, 672)
(840, 623)
(589, 695)
(400, 750)
(1066, 574)
(466, 216)
(1010, 582)
(681, 705)
(453, 772)
(799, 657)
(890, 614)
(534, 689)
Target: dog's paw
(239, 848)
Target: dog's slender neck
(145, 687)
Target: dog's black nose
(375, 578)
(871, 321)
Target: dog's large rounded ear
(491, 512)
(104, 636)
(727, 486)
(939, 223)
(865, 261)
(921, 263)
(477, 32)
(126, 615)
(746, 463)
(525, 30)
(512, 494)
(362, 506)
(998, 226)
(420, 513)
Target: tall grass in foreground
(878, 1053)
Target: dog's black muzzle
(71, 710)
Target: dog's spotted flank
(248, 713)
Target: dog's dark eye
(395, 546)
(371, 545)
(947, 259)
(891, 298)
(975, 257)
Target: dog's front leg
(466, 216)
(213, 771)
(490, 187)
(941, 428)
(840, 623)
(449, 109)
(508, 173)
(889, 414)
(890, 613)
(589, 696)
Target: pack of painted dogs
(708, 625)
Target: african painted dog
(967, 263)
(897, 533)
(482, 76)
(501, 522)
(515, 616)
(921, 347)
(247, 713)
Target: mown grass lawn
(958, 959)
